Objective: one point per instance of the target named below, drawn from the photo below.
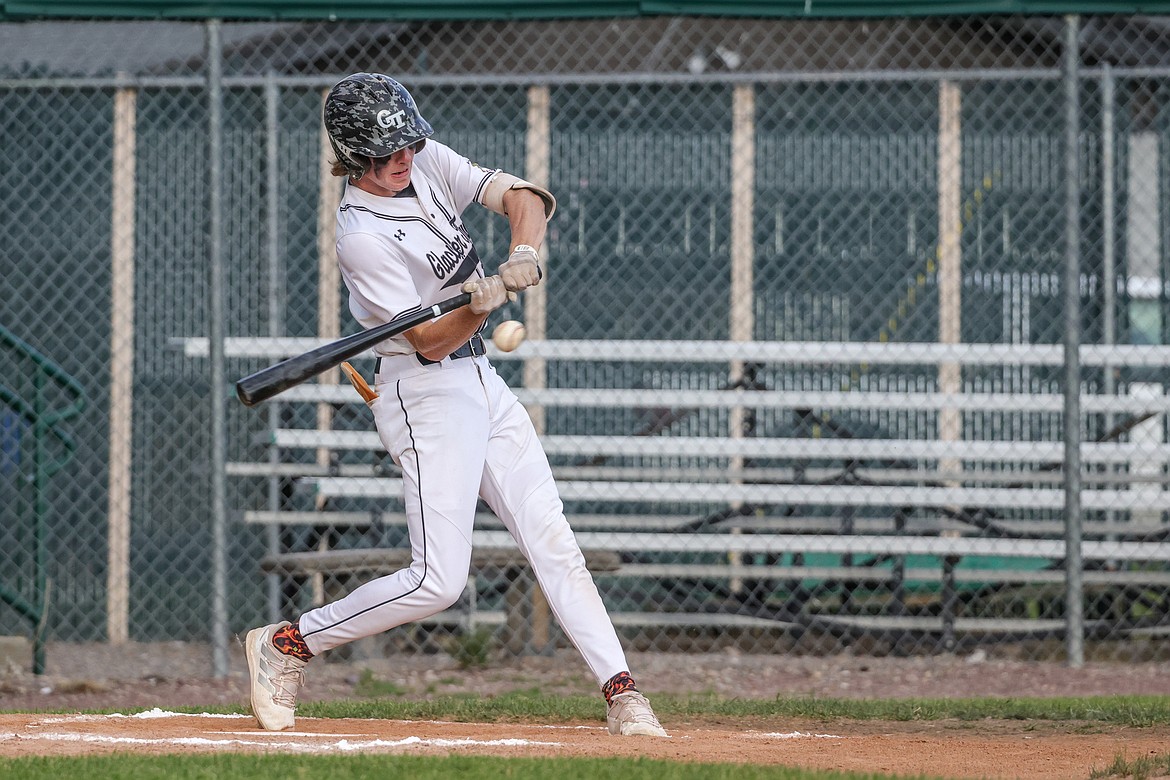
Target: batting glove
(487, 294)
(522, 269)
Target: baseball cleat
(630, 716)
(274, 679)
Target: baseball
(508, 335)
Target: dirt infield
(946, 749)
(156, 677)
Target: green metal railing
(43, 422)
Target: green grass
(292, 767)
(472, 651)
(375, 699)
(369, 686)
(1141, 768)
(536, 705)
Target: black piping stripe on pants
(422, 510)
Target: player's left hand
(522, 269)
(487, 294)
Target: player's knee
(448, 593)
(444, 589)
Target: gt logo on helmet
(370, 115)
(388, 119)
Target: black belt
(473, 347)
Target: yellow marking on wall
(909, 296)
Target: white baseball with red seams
(453, 426)
(508, 335)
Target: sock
(621, 682)
(289, 641)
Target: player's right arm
(527, 219)
(381, 288)
(440, 337)
(528, 207)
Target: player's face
(389, 176)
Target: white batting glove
(487, 294)
(522, 268)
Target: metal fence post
(276, 308)
(1074, 587)
(216, 328)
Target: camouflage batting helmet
(371, 115)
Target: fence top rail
(799, 352)
(324, 81)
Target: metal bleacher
(916, 519)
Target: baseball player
(453, 426)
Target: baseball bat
(277, 378)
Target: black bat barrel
(275, 379)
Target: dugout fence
(959, 182)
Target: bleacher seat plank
(711, 351)
(890, 496)
(780, 448)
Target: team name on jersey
(450, 258)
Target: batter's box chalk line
(321, 743)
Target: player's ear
(340, 167)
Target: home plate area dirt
(942, 749)
(145, 681)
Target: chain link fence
(800, 362)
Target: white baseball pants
(458, 433)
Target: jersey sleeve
(380, 285)
(466, 180)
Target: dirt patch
(156, 677)
(939, 749)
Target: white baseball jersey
(453, 426)
(409, 252)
